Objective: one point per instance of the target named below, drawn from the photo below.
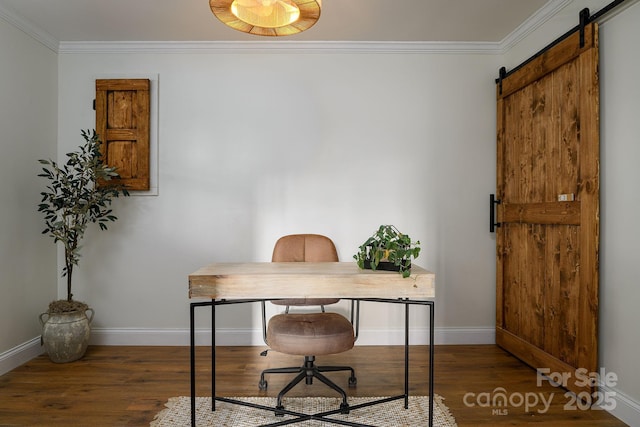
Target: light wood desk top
(273, 280)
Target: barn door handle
(492, 213)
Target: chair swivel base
(307, 372)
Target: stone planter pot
(66, 335)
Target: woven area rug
(391, 414)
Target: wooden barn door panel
(548, 184)
(122, 122)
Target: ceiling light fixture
(267, 17)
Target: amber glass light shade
(267, 17)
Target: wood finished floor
(127, 386)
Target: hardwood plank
(127, 386)
(567, 213)
(533, 296)
(589, 194)
(549, 61)
(500, 184)
(122, 134)
(122, 84)
(511, 279)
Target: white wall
(620, 199)
(254, 146)
(620, 293)
(28, 122)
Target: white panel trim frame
(19, 355)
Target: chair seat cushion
(305, 301)
(310, 334)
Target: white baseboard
(626, 409)
(150, 337)
(173, 337)
(180, 337)
(16, 356)
(19, 355)
(465, 336)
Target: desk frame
(300, 417)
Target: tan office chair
(308, 334)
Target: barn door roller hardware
(585, 19)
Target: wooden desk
(271, 280)
(233, 283)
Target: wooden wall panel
(123, 124)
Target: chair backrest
(305, 248)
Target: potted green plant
(78, 193)
(388, 249)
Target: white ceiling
(341, 20)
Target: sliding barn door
(548, 209)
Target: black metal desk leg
(431, 359)
(406, 356)
(213, 355)
(192, 338)
(193, 365)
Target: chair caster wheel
(344, 408)
(262, 385)
(278, 409)
(353, 381)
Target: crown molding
(28, 28)
(545, 13)
(280, 46)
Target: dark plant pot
(387, 266)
